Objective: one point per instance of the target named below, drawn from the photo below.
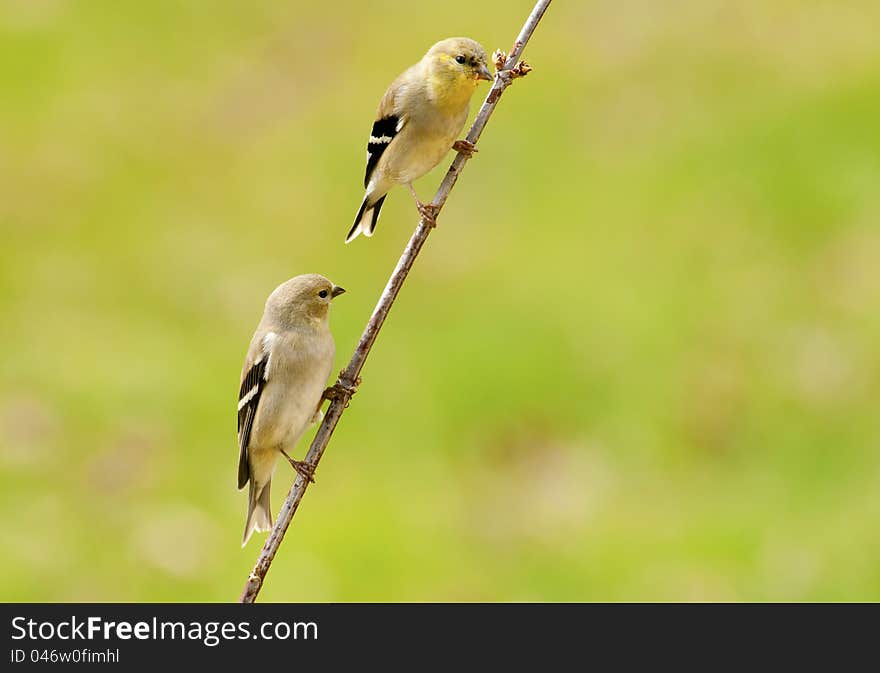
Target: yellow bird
(418, 120)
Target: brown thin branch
(349, 377)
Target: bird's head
(460, 60)
(302, 300)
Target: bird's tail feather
(259, 516)
(365, 220)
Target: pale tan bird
(418, 121)
(282, 386)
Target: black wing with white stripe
(248, 401)
(381, 136)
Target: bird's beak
(483, 73)
(336, 291)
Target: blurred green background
(638, 360)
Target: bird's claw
(429, 212)
(304, 469)
(465, 147)
(340, 391)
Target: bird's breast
(292, 393)
(421, 145)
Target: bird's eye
(460, 59)
(323, 294)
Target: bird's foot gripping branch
(428, 213)
(303, 469)
(465, 147)
(509, 68)
(342, 391)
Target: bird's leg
(428, 211)
(303, 469)
(465, 147)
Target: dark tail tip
(356, 228)
(375, 218)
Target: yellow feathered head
(460, 59)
